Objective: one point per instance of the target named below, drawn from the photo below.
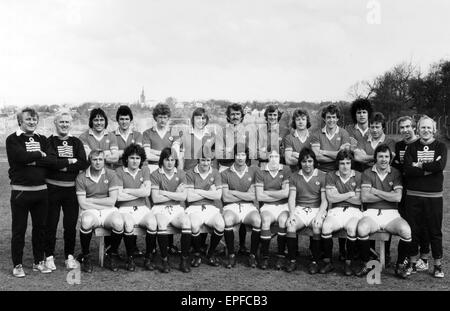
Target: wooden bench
(380, 237)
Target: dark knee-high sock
(186, 238)
(403, 250)
(163, 241)
(215, 239)
(134, 242)
(129, 241)
(150, 242)
(170, 239)
(364, 250)
(254, 242)
(266, 235)
(291, 242)
(315, 249)
(281, 241)
(351, 248)
(342, 245)
(203, 237)
(229, 240)
(85, 241)
(327, 247)
(116, 238)
(242, 235)
(196, 242)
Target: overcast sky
(55, 51)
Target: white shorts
(240, 209)
(381, 216)
(152, 167)
(170, 211)
(137, 212)
(306, 214)
(205, 212)
(100, 215)
(275, 209)
(343, 215)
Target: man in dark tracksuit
(425, 161)
(61, 190)
(28, 158)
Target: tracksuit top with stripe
(434, 158)
(22, 151)
(64, 149)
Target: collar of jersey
(203, 176)
(233, 169)
(360, 130)
(374, 169)
(324, 130)
(129, 132)
(20, 132)
(266, 167)
(315, 172)
(126, 170)
(91, 132)
(162, 171)
(88, 174)
(296, 134)
(381, 140)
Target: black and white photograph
(236, 148)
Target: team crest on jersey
(391, 183)
(141, 179)
(211, 179)
(353, 184)
(65, 151)
(249, 179)
(107, 141)
(32, 145)
(31, 139)
(281, 176)
(132, 141)
(317, 183)
(426, 148)
(170, 138)
(106, 181)
(177, 179)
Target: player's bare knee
(363, 229)
(117, 224)
(87, 222)
(282, 220)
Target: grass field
(204, 277)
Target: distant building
(147, 103)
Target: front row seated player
(307, 207)
(134, 188)
(381, 191)
(343, 189)
(204, 186)
(168, 191)
(238, 187)
(97, 190)
(272, 191)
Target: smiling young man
(343, 189)
(381, 191)
(307, 207)
(300, 138)
(134, 189)
(272, 191)
(269, 137)
(238, 195)
(204, 186)
(98, 138)
(168, 191)
(425, 161)
(28, 158)
(61, 189)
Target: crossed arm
(98, 203)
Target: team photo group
(224, 181)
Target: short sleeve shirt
(160, 181)
(152, 140)
(127, 180)
(292, 142)
(352, 184)
(308, 192)
(232, 181)
(390, 182)
(269, 182)
(107, 141)
(96, 188)
(334, 143)
(195, 181)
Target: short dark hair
(235, 107)
(300, 113)
(133, 149)
(97, 112)
(124, 111)
(161, 109)
(270, 109)
(344, 154)
(382, 148)
(165, 154)
(30, 110)
(361, 104)
(199, 112)
(331, 109)
(304, 154)
(378, 117)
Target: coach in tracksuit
(61, 189)
(425, 161)
(27, 157)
